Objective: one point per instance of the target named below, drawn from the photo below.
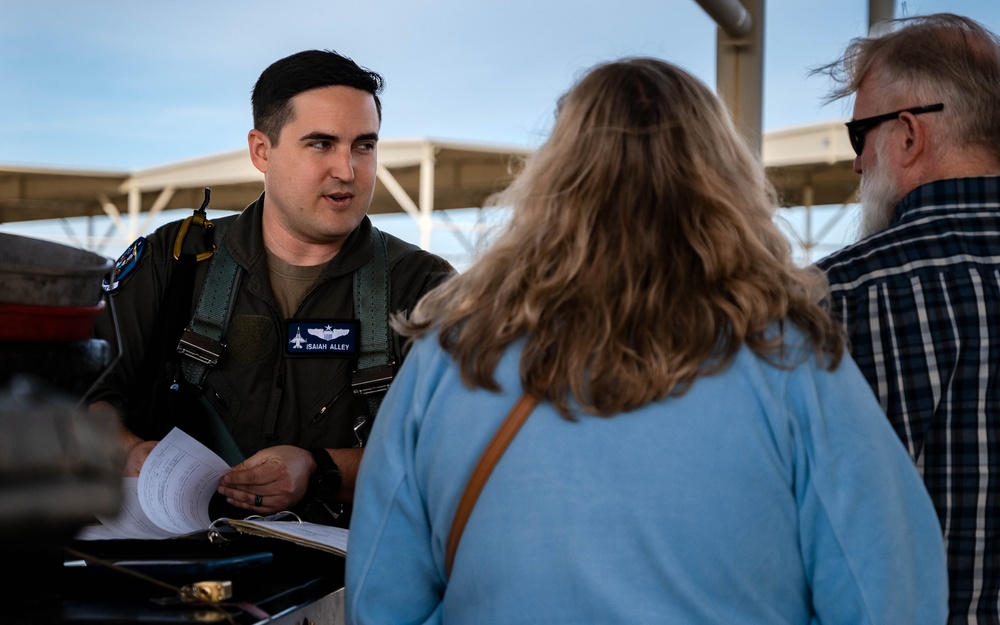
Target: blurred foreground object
(50, 295)
(41, 273)
(60, 465)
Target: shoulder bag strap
(501, 440)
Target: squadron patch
(313, 337)
(125, 265)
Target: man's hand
(136, 457)
(135, 450)
(271, 480)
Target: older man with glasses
(919, 293)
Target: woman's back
(670, 474)
(749, 499)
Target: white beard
(879, 196)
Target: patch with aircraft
(337, 338)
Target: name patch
(317, 337)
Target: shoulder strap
(375, 367)
(194, 243)
(501, 440)
(201, 341)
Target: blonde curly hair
(641, 253)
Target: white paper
(324, 537)
(171, 495)
(177, 482)
(131, 521)
(170, 498)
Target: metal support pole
(740, 75)
(879, 10)
(426, 199)
(730, 16)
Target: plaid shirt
(921, 304)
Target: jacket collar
(245, 242)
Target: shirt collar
(952, 192)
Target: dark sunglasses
(858, 128)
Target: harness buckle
(372, 380)
(199, 347)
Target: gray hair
(935, 58)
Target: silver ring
(258, 501)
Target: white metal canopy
(415, 176)
(809, 165)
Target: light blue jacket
(762, 496)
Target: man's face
(880, 189)
(320, 176)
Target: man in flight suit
(294, 422)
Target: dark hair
(311, 69)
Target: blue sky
(126, 85)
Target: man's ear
(915, 137)
(260, 149)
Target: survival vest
(202, 338)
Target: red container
(23, 322)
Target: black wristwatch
(325, 483)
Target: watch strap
(325, 468)
(322, 458)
